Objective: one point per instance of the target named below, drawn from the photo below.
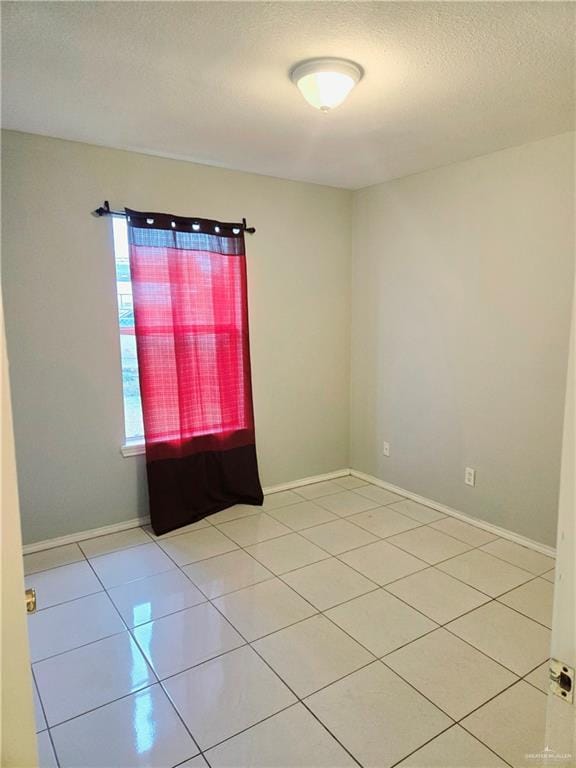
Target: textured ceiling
(208, 81)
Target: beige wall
(17, 726)
(461, 294)
(61, 320)
(461, 290)
(561, 716)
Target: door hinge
(562, 680)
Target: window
(189, 293)
(206, 290)
(133, 424)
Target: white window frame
(133, 444)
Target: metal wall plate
(562, 680)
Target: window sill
(132, 449)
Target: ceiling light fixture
(325, 83)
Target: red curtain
(191, 322)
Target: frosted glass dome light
(325, 83)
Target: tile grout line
(53, 567)
(85, 557)
(279, 577)
(188, 731)
(157, 540)
(299, 699)
(407, 682)
(475, 648)
(315, 716)
(40, 611)
(208, 599)
(121, 549)
(465, 613)
(249, 727)
(76, 647)
(317, 612)
(456, 618)
(260, 510)
(338, 555)
(246, 644)
(47, 729)
(128, 628)
(123, 622)
(486, 745)
(375, 659)
(434, 629)
(430, 565)
(525, 677)
(275, 672)
(450, 727)
(112, 701)
(56, 757)
(459, 720)
(147, 662)
(491, 599)
(431, 524)
(273, 575)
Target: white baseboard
(307, 481)
(72, 538)
(495, 529)
(135, 522)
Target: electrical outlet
(470, 476)
(386, 448)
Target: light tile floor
(339, 625)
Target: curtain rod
(105, 210)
